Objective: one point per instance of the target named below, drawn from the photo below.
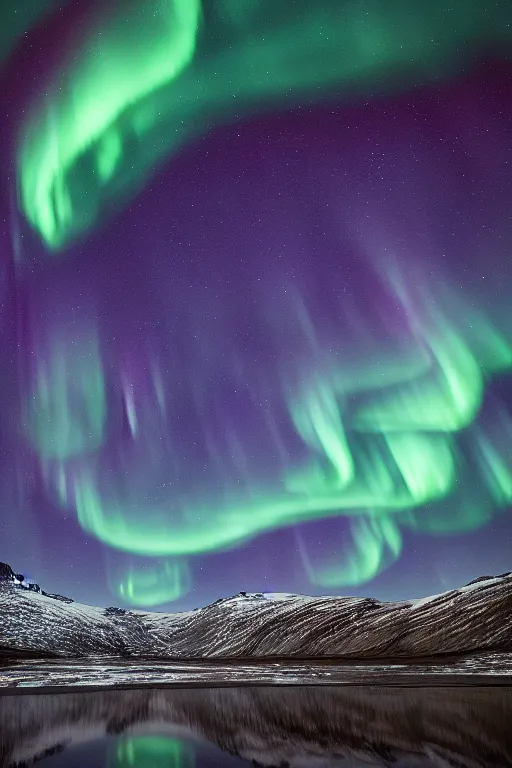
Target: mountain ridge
(471, 619)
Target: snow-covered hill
(476, 617)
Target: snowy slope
(474, 618)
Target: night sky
(255, 307)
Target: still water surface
(147, 749)
(290, 727)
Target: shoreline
(109, 674)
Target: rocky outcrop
(471, 619)
(8, 576)
(6, 572)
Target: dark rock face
(486, 578)
(7, 573)
(481, 578)
(272, 726)
(56, 597)
(475, 618)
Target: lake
(288, 726)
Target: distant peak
(7, 574)
(488, 578)
(18, 579)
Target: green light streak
(130, 54)
(66, 410)
(426, 464)
(375, 544)
(401, 468)
(447, 399)
(152, 752)
(110, 151)
(139, 86)
(154, 585)
(498, 472)
(468, 513)
(427, 473)
(320, 426)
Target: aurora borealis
(257, 317)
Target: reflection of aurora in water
(152, 751)
(289, 388)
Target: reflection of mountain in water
(278, 726)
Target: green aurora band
(153, 751)
(374, 544)
(150, 75)
(394, 471)
(66, 409)
(153, 585)
(146, 78)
